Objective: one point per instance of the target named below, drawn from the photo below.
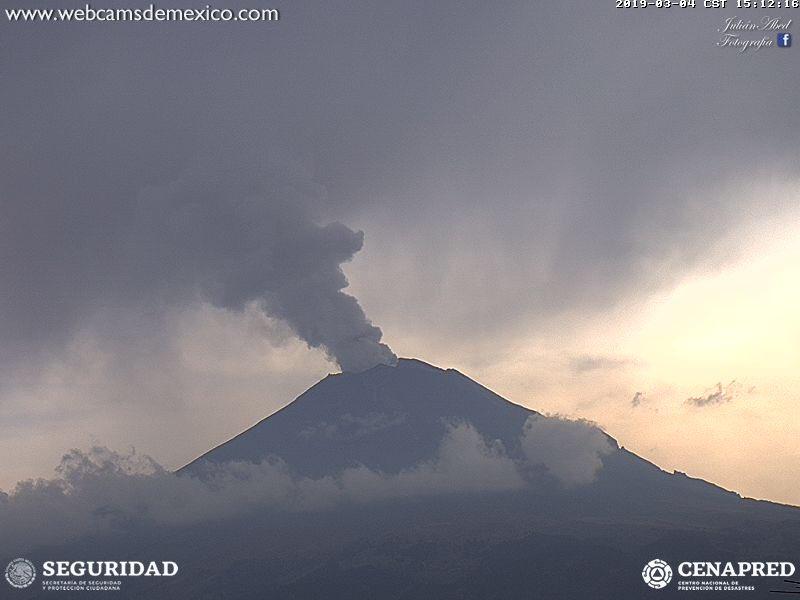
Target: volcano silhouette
(389, 419)
(385, 418)
(544, 539)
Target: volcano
(546, 536)
(546, 539)
(390, 419)
(386, 418)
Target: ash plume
(237, 245)
(226, 231)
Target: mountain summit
(386, 418)
(390, 419)
(413, 482)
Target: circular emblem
(657, 574)
(20, 573)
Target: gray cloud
(586, 363)
(558, 194)
(231, 234)
(716, 395)
(237, 242)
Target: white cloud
(103, 491)
(570, 450)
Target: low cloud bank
(101, 491)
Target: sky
(592, 211)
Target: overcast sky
(591, 210)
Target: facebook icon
(784, 40)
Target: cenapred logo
(20, 573)
(657, 574)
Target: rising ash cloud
(236, 242)
(565, 184)
(227, 234)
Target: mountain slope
(386, 418)
(390, 419)
(543, 539)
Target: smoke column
(236, 244)
(229, 231)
